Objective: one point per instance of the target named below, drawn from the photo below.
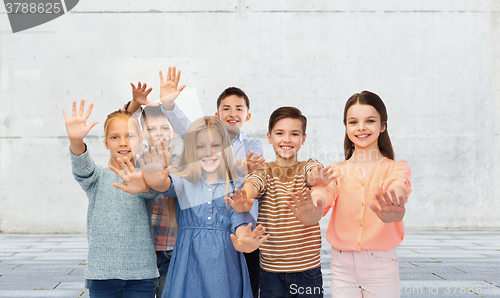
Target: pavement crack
(82, 293)
(438, 276)
(71, 271)
(459, 269)
(460, 247)
(414, 264)
(57, 285)
(17, 266)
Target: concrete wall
(435, 64)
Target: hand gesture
(134, 181)
(140, 94)
(155, 170)
(304, 209)
(321, 177)
(75, 126)
(250, 163)
(248, 240)
(392, 208)
(239, 201)
(168, 88)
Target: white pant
(365, 274)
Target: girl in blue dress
(207, 260)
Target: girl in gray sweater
(121, 260)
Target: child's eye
(151, 129)
(295, 134)
(370, 121)
(199, 147)
(353, 122)
(131, 137)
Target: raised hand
(304, 209)
(321, 177)
(392, 208)
(168, 88)
(76, 127)
(155, 170)
(248, 240)
(140, 94)
(239, 201)
(134, 181)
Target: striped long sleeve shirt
(291, 247)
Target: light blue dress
(204, 262)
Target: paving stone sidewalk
(432, 264)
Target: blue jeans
(162, 261)
(291, 285)
(118, 288)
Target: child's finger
(123, 166)
(144, 86)
(387, 199)
(178, 77)
(290, 206)
(173, 74)
(94, 123)
(139, 85)
(380, 201)
(161, 77)
(149, 91)
(73, 113)
(376, 210)
(295, 200)
(181, 88)
(82, 105)
(66, 119)
(263, 239)
(169, 73)
(118, 173)
(133, 86)
(89, 110)
(140, 161)
(236, 242)
(120, 186)
(130, 166)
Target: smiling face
(233, 112)
(209, 152)
(363, 126)
(122, 140)
(158, 130)
(286, 137)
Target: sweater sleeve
(85, 171)
(400, 176)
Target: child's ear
(217, 115)
(269, 138)
(303, 139)
(105, 143)
(249, 115)
(173, 134)
(384, 126)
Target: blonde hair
(121, 114)
(189, 166)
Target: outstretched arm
(242, 201)
(307, 210)
(247, 240)
(251, 163)
(392, 207)
(77, 128)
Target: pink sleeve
(400, 176)
(329, 192)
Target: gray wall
(435, 64)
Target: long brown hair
(372, 99)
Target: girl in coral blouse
(364, 240)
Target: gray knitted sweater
(118, 225)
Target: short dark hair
(233, 91)
(287, 112)
(151, 112)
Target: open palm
(76, 125)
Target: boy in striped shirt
(290, 259)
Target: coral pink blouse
(353, 224)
